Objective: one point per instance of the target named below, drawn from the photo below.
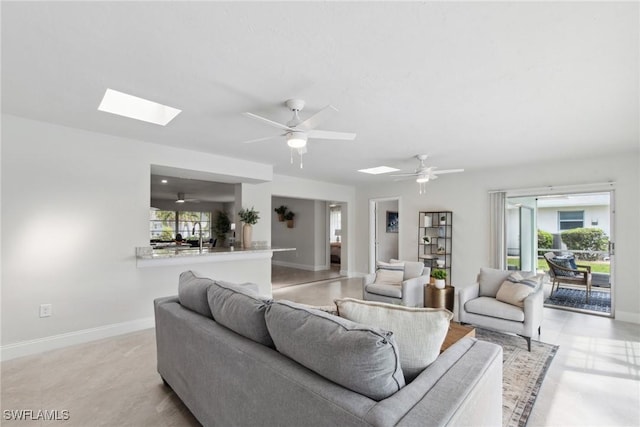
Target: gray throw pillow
(240, 310)
(361, 358)
(192, 293)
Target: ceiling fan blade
(266, 138)
(404, 174)
(313, 121)
(267, 121)
(328, 134)
(435, 172)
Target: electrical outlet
(45, 310)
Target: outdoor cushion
(566, 263)
(487, 306)
(388, 273)
(419, 332)
(515, 289)
(359, 357)
(240, 310)
(393, 291)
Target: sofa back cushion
(490, 280)
(240, 309)
(192, 293)
(361, 358)
(419, 332)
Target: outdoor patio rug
(575, 298)
(523, 373)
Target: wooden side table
(439, 298)
(455, 333)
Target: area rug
(576, 298)
(522, 374)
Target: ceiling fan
(181, 199)
(424, 173)
(298, 131)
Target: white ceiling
(475, 85)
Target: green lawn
(596, 266)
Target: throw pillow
(411, 268)
(515, 289)
(419, 332)
(389, 274)
(240, 310)
(359, 357)
(565, 263)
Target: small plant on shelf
(443, 219)
(281, 211)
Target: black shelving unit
(435, 230)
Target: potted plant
(439, 275)
(289, 217)
(443, 220)
(281, 211)
(221, 226)
(249, 217)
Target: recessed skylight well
(378, 170)
(122, 104)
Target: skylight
(378, 170)
(133, 107)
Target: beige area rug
(523, 373)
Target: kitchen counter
(147, 257)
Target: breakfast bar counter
(148, 257)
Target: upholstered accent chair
(561, 271)
(407, 289)
(483, 304)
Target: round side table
(439, 298)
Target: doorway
(574, 226)
(384, 230)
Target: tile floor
(594, 379)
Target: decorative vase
(247, 230)
(281, 217)
(440, 263)
(440, 283)
(289, 223)
(427, 221)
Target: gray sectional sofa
(270, 363)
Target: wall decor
(392, 222)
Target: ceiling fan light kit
(298, 131)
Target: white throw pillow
(419, 332)
(389, 273)
(515, 289)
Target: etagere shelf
(435, 230)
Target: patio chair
(561, 272)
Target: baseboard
(26, 348)
(627, 316)
(300, 266)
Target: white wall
(75, 204)
(466, 194)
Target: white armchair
(409, 292)
(479, 306)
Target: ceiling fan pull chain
(300, 159)
(291, 151)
